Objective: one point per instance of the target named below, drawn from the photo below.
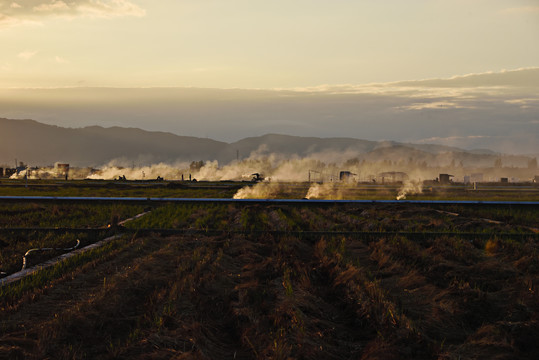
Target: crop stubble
(269, 295)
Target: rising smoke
(51, 172)
(322, 170)
(329, 191)
(263, 190)
(149, 172)
(410, 188)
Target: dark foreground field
(241, 281)
(249, 281)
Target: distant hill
(40, 144)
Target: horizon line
(307, 88)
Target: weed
(287, 283)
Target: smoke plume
(410, 188)
(327, 191)
(263, 190)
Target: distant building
(9, 171)
(445, 178)
(346, 176)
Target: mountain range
(38, 144)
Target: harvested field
(37, 216)
(264, 286)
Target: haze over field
(427, 72)
(140, 154)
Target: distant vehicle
(257, 177)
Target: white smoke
(44, 173)
(322, 167)
(410, 188)
(262, 190)
(328, 191)
(150, 172)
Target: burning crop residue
(50, 172)
(330, 173)
(326, 191)
(263, 190)
(111, 171)
(410, 188)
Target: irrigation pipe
(72, 252)
(46, 249)
(26, 272)
(133, 218)
(533, 229)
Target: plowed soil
(259, 295)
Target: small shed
(346, 176)
(445, 178)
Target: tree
(196, 165)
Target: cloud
(461, 86)
(27, 55)
(61, 60)
(521, 10)
(501, 118)
(51, 7)
(9, 21)
(5, 67)
(32, 11)
(528, 77)
(465, 142)
(450, 139)
(524, 103)
(436, 105)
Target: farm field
(269, 280)
(280, 190)
(37, 218)
(97, 188)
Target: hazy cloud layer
(32, 11)
(26, 55)
(521, 10)
(498, 111)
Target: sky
(304, 46)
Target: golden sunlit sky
(260, 43)
(455, 72)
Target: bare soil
(275, 295)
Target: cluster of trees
(498, 163)
(196, 165)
